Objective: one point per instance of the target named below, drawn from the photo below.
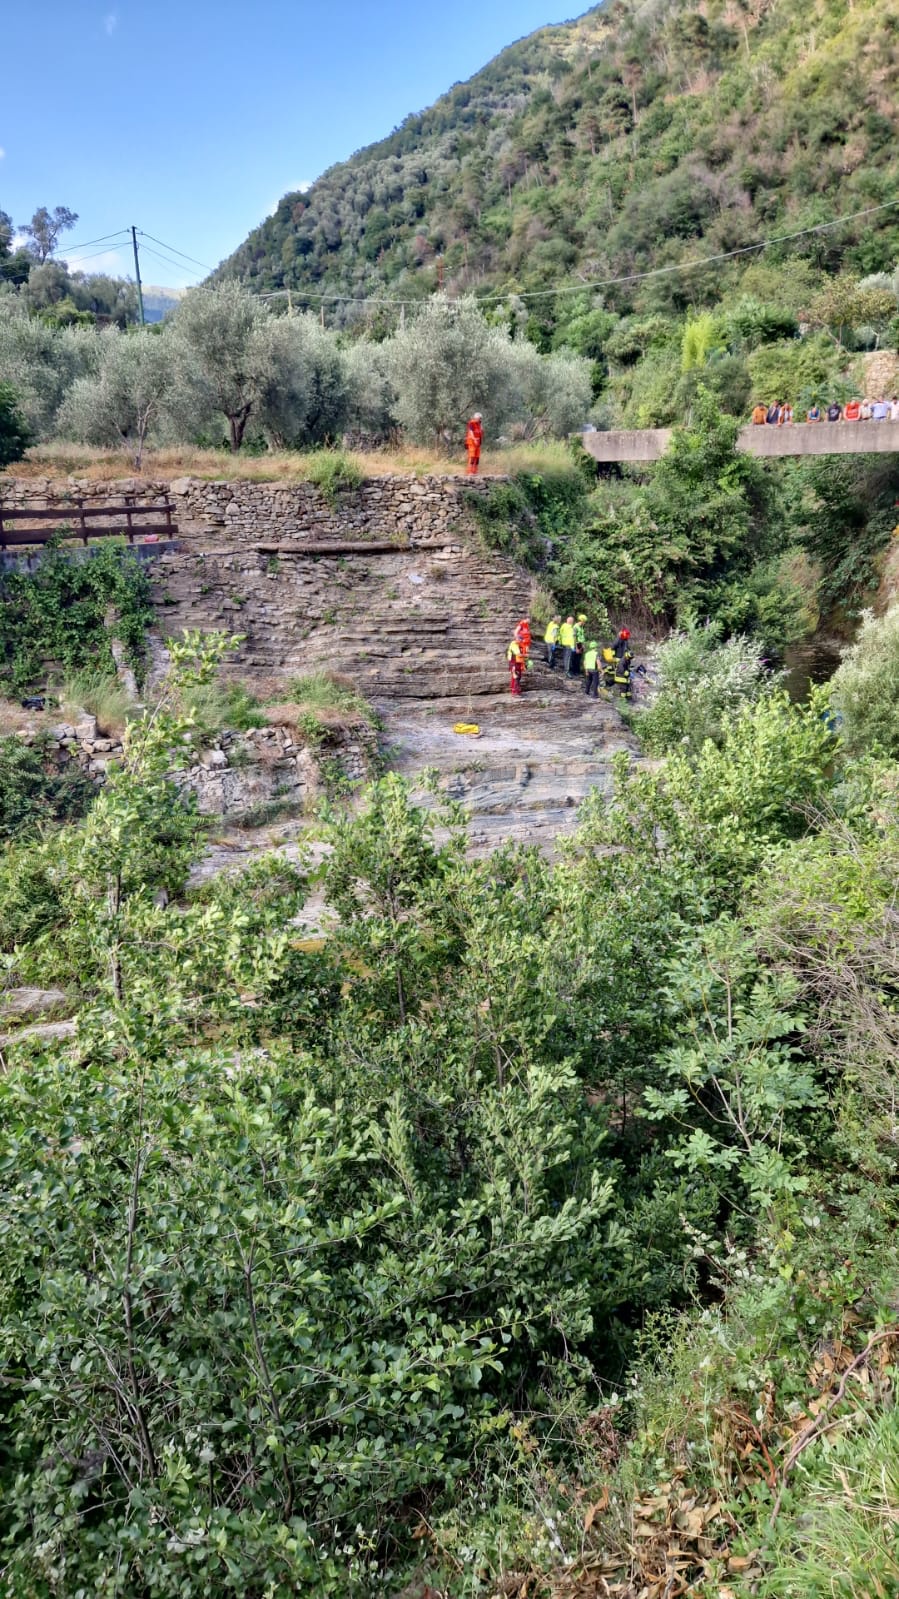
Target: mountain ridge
(635, 136)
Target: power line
(169, 261)
(92, 256)
(192, 258)
(102, 240)
(600, 283)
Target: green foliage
(702, 338)
(532, 516)
(700, 680)
(309, 1243)
(331, 471)
(798, 371)
(34, 790)
(844, 518)
(865, 688)
(55, 617)
(15, 434)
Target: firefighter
(566, 639)
(523, 635)
(579, 642)
(622, 645)
(551, 640)
(591, 669)
(473, 437)
(516, 658)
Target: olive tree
(371, 397)
(302, 398)
(448, 362)
(14, 432)
(121, 402)
(556, 390)
(222, 347)
(40, 362)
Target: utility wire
(192, 258)
(92, 256)
(102, 240)
(169, 260)
(598, 283)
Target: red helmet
(625, 633)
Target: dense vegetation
(631, 141)
(61, 618)
(339, 1264)
(771, 549)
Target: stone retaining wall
(417, 511)
(428, 611)
(237, 772)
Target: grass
(101, 695)
(60, 461)
(219, 705)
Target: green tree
(865, 687)
(223, 358)
(15, 434)
(45, 228)
(122, 402)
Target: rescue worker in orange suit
(473, 438)
(516, 659)
(523, 635)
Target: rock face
(427, 605)
(391, 585)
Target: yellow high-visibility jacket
(551, 636)
(566, 636)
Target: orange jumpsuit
(473, 439)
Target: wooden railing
(75, 520)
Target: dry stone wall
(424, 612)
(235, 774)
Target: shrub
(33, 789)
(331, 471)
(56, 616)
(865, 688)
(15, 434)
(701, 681)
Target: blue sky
(191, 118)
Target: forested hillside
(638, 138)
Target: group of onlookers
(853, 411)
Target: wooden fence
(38, 524)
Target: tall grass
(321, 697)
(59, 461)
(101, 695)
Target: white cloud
(110, 23)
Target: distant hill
(639, 136)
(158, 302)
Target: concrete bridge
(798, 438)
